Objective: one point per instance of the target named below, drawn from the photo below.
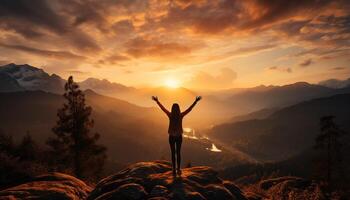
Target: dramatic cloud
(140, 47)
(35, 12)
(36, 18)
(167, 36)
(44, 53)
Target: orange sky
(197, 44)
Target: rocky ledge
(154, 181)
(54, 186)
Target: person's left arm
(189, 109)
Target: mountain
(277, 96)
(335, 83)
(285, 133)
(8, 84)
(32, 78)
(105, 87)
(131, 133)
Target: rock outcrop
(154, 181)
(53, 186)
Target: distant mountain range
(223, 105)
(286, 132)
(26, 77)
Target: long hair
(175, 112)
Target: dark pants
(175, 147)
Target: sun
(172, 83)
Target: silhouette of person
(175, 130)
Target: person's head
(175, 110)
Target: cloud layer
(144, 35)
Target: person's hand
(198, 98)
(155, 98)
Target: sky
(200, 44)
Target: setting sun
(171, 83)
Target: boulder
(53, 186)
(154, 181)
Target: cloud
(113, 59)
(322, 31)
(37, 18)
(141, 47)
(271, 11)
(253, 49)
(213, 17)
(36, 12)
(123, 27)
(161, 35)
(44, 53)
(306, 63)
(280, 69)
(324, 53)
(203, 79)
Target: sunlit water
(191, 134)
(213, 148)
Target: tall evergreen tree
(75, 146)
(328, 141)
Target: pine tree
(329, 142)
(75, 146)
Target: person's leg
(178, 153)
(172, 149)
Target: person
(175, 130)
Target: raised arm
(198, 98)
(154, 98)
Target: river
(191, 134)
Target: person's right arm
(154, 98)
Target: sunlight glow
(172, 83)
